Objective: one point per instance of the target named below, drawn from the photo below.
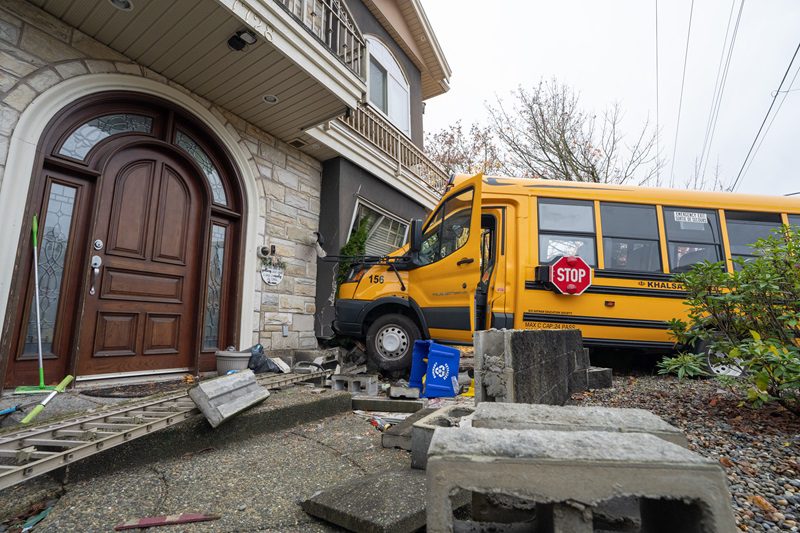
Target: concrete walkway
(251, 471)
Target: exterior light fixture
(122, 5)
(239, 40)
(271, 99)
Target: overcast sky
(606, 51)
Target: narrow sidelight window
(53, 245)
(216, 263)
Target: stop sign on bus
(570, 275)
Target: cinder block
(411, 393)
(422, 430)
(355, 384)
(367, 403)
(221, 398)
(574, 418)
(527, 366)
(599, 378)
(584, 467)
(579, 381)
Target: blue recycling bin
(438, 365)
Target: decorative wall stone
(38, 51)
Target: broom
(41, 388)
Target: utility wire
(774, 98)
(658, 133)
(722, 87)
(717, 83)
(680, 101)
(775, 114)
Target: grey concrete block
(367, 403)
(355, 383)
(391, 502)
(574, 418)
(576, 467)
(422, 430)
(599, 378)
(527, 366)
(579, 381)
(222, 398)
(411, 393)
(399, 435)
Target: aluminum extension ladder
(31, 452)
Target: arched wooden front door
(139, 231)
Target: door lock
(97, 261)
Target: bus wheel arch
(390, 332)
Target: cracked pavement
(254, 484)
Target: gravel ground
(758, 448)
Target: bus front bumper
(347, 321)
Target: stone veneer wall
(37, 51)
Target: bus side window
(630, 237)
(794, 220)
(693, 236)
(566, 227)
(746, 228)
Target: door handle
(465, 261)
(96, 262)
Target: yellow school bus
(473, 264)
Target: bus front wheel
(390, 341)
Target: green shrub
(752, 315)
(354, 247)
(683, 365)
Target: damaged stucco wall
(38, 52)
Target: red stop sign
(570, 275)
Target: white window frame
(383, 212)
(372, 43)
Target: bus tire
(716, 364)
(390, 342)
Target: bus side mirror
(416, 236)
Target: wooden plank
(53, 443)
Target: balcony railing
(331, 23)
(371, 125)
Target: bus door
(490, 295)
(446, 278)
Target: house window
(692, 237)
(83, 139)
(744, 229)
(388, 86)
(385, 233)
(566, 227)
(630, 237)
(208, 167)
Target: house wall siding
(368, 24)
(38, 51)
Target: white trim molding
(22, 155)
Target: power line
(680, 101)
(658, 133)
(774, 98)
(722, 86)
(716, 83)
(775, 114)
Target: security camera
(263, 252)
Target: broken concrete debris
(369, 403)
(400, 392)
(573, 418)
(399, 435)
(390, 502)
(532, 366)
(572, 471)
(224, 397)
(422, 431)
